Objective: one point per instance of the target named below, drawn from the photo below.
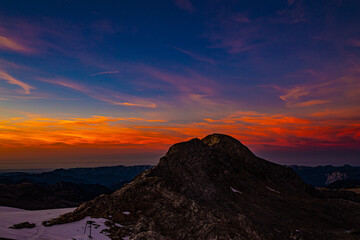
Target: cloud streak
(111, 97)
(338, 92)
(187, 83)
(106, 72)
(9, 44)
(11, 80)
(195, 56)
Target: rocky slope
(216, 188)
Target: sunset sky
(93, 83)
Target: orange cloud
(96, 130)
(311, 103)
(252, 128)
(295, 93)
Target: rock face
(23, 225)
(336, 176)
(216, 188)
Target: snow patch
(119, 225)
(126, 238)
(126, 213)
(234, 190)
(69, 231)
(273, 190)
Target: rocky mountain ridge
(216, 188)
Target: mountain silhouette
(216, 188)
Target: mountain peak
(225, 143)
(195, 151)
(217, 138)
(205, 161)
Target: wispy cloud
(11, 80)
(102, 94)
(195, 56)
(311, 103)
(189, 82)
(241, 18)
(294, 93)
(293, 14)
(338, 92)
(12, 45)
(105, 72)
(235, 33)
(40, 36)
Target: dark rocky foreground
(216, 188)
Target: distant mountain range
(34, 196)
(323, 176)
(63, 187)
(111, 177)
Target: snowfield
(235, 190)
(273, 190)
(71, 231)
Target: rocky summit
(216, 188)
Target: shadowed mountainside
(34, 196)
(216, 188)
(63, 187)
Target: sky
(94, 83)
